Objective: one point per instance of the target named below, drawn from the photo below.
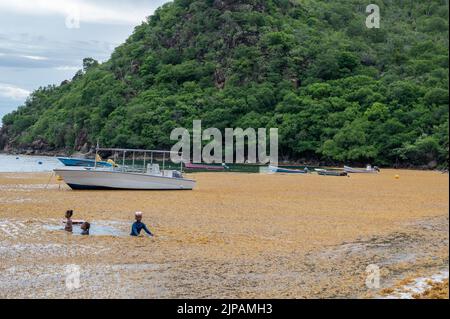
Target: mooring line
(50, 179)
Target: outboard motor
(177, 174)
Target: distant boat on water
(368, 170)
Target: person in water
(69, 223)
(138, 226)
(85, 227)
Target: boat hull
(331, 173)
(275, 169)
(86, 179)
(351, 170)
(81, 162)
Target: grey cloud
(47, 36)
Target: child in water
(69, 223)
(85, 227)
(138, 226)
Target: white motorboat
(276, 169)
(148, 177)
(368, 170)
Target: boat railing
(140, 160)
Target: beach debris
(414, 288)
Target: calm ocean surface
(27, 164)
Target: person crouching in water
(138, 226)
(85, 227)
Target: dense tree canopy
(337, 91)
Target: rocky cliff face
(41, 147)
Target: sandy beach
(235, 236)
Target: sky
(43, 42)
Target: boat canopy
(148, 157)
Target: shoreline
(284, 163)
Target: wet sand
(235, 236)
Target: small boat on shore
(276, 169)
(82, 162)
(146, 177)
(324, 172)
(368, 170)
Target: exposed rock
(432, 165)
(81, 140)
(79, 155)
(39, 144)
(3, 138)
(3, 143)
(85, 148)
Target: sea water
(28, 164)
(97, 229)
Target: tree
(89, 63)
(337, 91)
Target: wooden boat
(369, 170)
(148, 177)
(275, 169)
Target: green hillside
(338, 91)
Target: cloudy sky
(44, 41)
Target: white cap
(138, 214)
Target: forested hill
(338, 91)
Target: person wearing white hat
(138, 226)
